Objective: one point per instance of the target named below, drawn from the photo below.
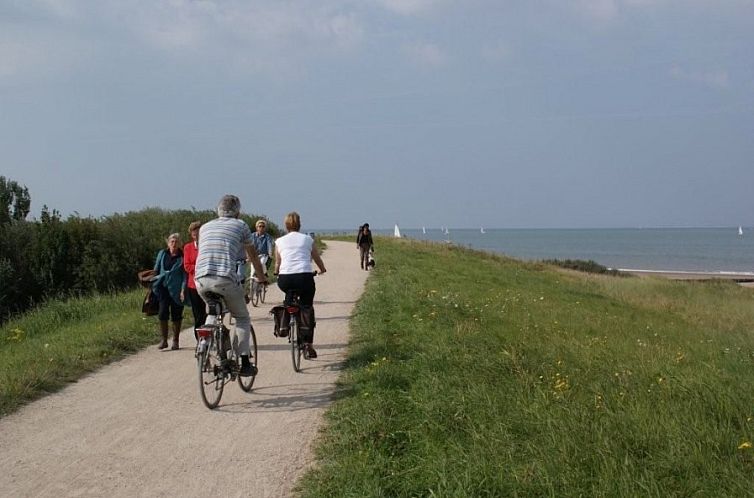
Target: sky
(494, 113)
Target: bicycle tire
(247, 383)
(211, 377)
(263, 293)
(296, 346)
(255, 293)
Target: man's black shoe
(247, 369)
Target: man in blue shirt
(263, 243)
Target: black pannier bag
(279, 315)
(306, 323)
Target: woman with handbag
(169, 285)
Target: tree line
(53, 257)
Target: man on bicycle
(263, 243)
(222, 242)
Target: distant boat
(740, 231)
(482, 230)
(446, 231)
(396, 232)
(424, 230)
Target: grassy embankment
(475, 375)
(49, 347)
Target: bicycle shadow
(285, 397)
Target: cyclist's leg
(306, 288)
(234, 300)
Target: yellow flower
(745, 445)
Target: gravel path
(138, 427)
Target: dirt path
(138, 427)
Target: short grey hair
(176, 236)
(229, 207)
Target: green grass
(475, 375)
(45, 349)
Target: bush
(581, 265)
(53, 257)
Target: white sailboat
(396, 231)
(740, 231)
(482, 230)
(424, 230)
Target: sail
(482, 229)
(740, 231)
(424, 230)
(397, 232)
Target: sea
(661, 249)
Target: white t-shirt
(295, 251)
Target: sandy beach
(740, 277)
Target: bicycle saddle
(214, 302)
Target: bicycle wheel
(255, 293)
(296, 346)
(211, 376)
(247, 382)
(263, 293)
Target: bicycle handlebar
(314, 273)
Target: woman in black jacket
(364, 243)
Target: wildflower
(16, 335)
(745, 445)
(561, 383)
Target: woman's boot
(176, 333)
(164, 335)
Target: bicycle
(214, 365)
(292, 306)
(258, 289)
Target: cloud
(599, 10)
(257, 34)
(496, 52)
(715, 79)
(409, 7)
(30, 53)
(427, 54)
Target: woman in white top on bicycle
(294, 253)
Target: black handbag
(151, 305)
